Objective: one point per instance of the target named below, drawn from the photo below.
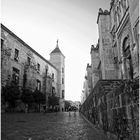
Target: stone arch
(125, 44)
(125, 33)
(127, 61)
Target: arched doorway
(128, 69)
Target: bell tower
(58, 60)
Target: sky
(40, 23)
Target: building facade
(85, 91)
(83, 98)
(116, 55)
(105, 45)
(125, 34)
(113, 102)
(134, 19)
(95, 65)
(25, 67)
(87, 84)
(89, 77)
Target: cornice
(26, 45)
(101, 12)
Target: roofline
(57, 52)
(22, 42)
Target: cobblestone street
(49, 126)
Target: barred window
(62, 70)
(62, 93)
(29, 61)
(15, 76)
(38, 67)
(38, 85)
(16, 57)
(2, 41)
(53, 76)
(62, 80)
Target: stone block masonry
(111, 102)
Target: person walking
(69, 110)
(74, 111)
(44, 109)
(55, 110)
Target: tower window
(62, 70)
(63, 94)
(46, 71)
(53, 76)
(62, 80)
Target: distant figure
(26, 108)
(69, 110)
(74, 111)
(56, 111)
(44, 109)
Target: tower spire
(57, 43)
(57, 50)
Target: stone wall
(111, 102)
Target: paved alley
(50, 126)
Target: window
(2, 41)
(63, 94)
(115, 59)
(46, 71)
(38, 67)
(16, 57)
(62, 70)
(62, 80)
(128, 69)
(38, 85)
(29, 61)
(53, 90)
(126, 50)
(15, 76)
(53, 76)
